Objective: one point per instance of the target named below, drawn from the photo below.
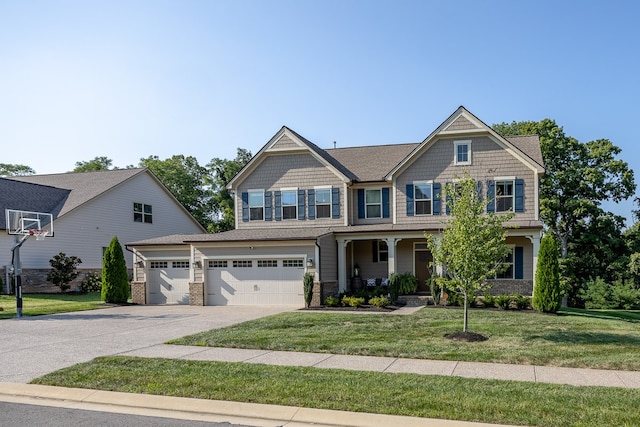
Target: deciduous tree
(97, 164)
(15, 170)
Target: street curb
(208, 410)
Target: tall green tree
(547, 294)
(472, 245)
(115, 279)
(7, 169)
(221, 171)
(97, 164)
(185, 179)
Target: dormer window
(462, 152)
(373, 203)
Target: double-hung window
(290, 204)
(423, 197)
(462, 152)
(373, 203)
(142, 213)
(323, 202)
(256, 205)
(504, 195)
(507, 263)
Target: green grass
(40, 304)
(576, 338)
(489, 401)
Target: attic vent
(334, 144)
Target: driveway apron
(34, 346)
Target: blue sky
(130, 79)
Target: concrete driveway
(34, 346)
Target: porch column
(392, 264)
(535, 241)
(342, 264)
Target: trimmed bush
(348, 301)
(332, 301)
(63, 270)
(115, 279)
(91, 283)
(307, 283)
(546, 293)
(380, 301)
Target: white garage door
(168, 282)
(255, 282)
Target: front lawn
(575, 338)
(39, 304)
(489, 401)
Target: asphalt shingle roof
(26, 196)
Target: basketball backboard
(26, 223)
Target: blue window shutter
(312, 204)
(437, 198)
(385, 202)
(519, 262)
(300, 205)
(335, 203)
(491, 196)
(410, 210)
(519, 195)
(361, 203)
(449, 199)
(374, 250)
(278, 205)
(245, 207)
(267, 206)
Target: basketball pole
(17, 271)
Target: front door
(421, 266)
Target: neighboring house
(301, 208)
(89, 209)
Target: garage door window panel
(242, 263)
(269, 263)
(218, 263)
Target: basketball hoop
(40, 234)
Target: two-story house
(348, 215)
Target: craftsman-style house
(352, 216)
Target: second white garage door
(255, 282)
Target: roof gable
(463, 123)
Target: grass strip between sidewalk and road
(41, 304)
(489, 401)
(575, 338)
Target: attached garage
(265, 281)
(168, 282)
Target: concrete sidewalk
(540, 374)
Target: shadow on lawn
(591, 338)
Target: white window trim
(295, 205)
(513, 264)
(366, 211)
(456, 144)
(415, 199)
(325, 187)
(495, 191)
(261, 191)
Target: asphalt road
(21, 415)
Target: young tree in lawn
(115, 279)
(472, 245)
(547, 294)
(63, 270)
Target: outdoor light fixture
(140, 264)
(309, 262)
(197, 264)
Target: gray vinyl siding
(404, 256)
(84, 231)
(489, 160)
(301, 171)
(364, 255)
(328, 258)
(353, 206)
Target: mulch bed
(466, 337)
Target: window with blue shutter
(278, 205)
(301, 204)
(437, 198)
(361, 203)
(311, 194)
(519, 195)
(245, 207)
(267, 206)
(385, 202)
(335, 203)
(409, 192)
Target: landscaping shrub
(625, 295)
(521, 302)
(503, 301)
(547, 292)
(115, 280)
(307, 283)
(435, 288)
(380, 301)
(332, 301)
(348, 301)
(394, 286)
(597, 294)
(489, 300)
(63, 270)
(407, 284)
(91, 283)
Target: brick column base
(321, 290)
(196, 293)
(139, 292)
